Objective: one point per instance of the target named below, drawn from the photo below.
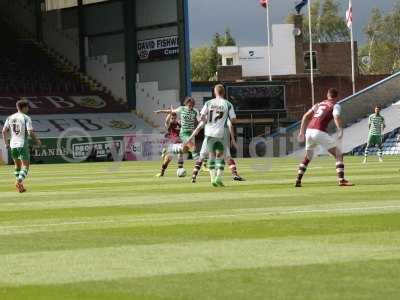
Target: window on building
(307, 63)
(229, 61)
(61, 4)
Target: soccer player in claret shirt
(20, 127)
(376, 124)
(189, 117)
(316, 121)
(173, 127)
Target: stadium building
(99, 66)
(96, 71)
(268, 108)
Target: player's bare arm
(232, 134)
(304, 122)
(338, 123)
(167, 121)
(166, 111)
(35, 138)
(5, 137)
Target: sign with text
(54, 126)
(79, 149)
(62, 104)
(158, 49)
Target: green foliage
(383, 46)
(201, 64)
(206, 59)
(327, 22)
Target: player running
(376, 125)
(229, 139)
(20, 127)
(215, 115)
(316, 120)
(173, 127)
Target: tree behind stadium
(383, 43)
(327, 21)
(206, 59)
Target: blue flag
(299, 6)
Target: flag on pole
(349, 22)
(264, 3)
(349, 15)
(300, 5)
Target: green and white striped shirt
(376, 124)
(19, 124)
(188, 118)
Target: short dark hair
(21, 104)
(333, 92)
(189, 99)
(378, 106)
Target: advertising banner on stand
(78, 149)
(82, 149)
(158, 49)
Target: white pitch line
(186, 218)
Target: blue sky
(247, 20)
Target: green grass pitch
(104, 231)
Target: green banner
(76, 150)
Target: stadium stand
(355, 110)
(29, 70)
(25, 68)
(391, 145)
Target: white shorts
(226, 143)
(315, 138)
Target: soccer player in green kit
(19, 125)
(376, 125)
(214, 117)
(189, 117)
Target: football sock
(220, 166)
(165, 166)
(380, 150)
(302, 169)
(340, 170)
(180, 161)
(197, 168)
(16, 173)
(232, 167)
(366, 152)
(211, 166)
(22, 174)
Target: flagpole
(269, 43)
(353, 76)
(311, 53)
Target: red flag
(349, 15)
(264, 3)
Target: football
(181, 172)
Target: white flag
(349, 15)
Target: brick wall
(298, 89)
(229, 73)
(334, 58)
